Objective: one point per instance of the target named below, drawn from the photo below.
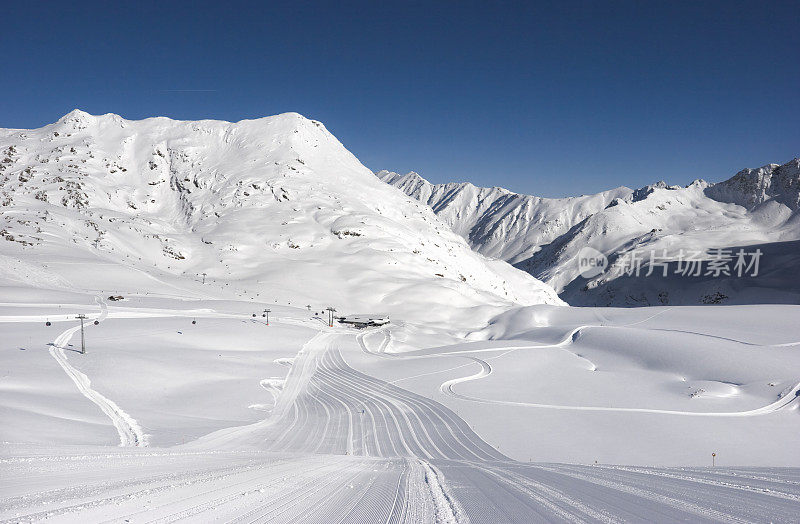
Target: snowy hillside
(753, 188)
(201, 257)
(497, 222)
(274, 206)
(756, 209)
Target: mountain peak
(75, 114)
(393, 178)
(753, 187)
(276, 202)
(75, 119)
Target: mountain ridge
(754, 207)
(486, 216)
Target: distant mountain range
(755, 209)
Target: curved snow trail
(286, 404)
(349, 447)
(130, 433)
(726, 339)
(447, 387)
(486, 370)
(328, 407)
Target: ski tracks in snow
(348, 447)
(486, 369)
(448, 387)
(447, 509)
(130, 433)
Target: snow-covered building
(361, 321)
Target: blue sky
(552, 99)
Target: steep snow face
(274, 206)
(663, 220)
(756, 209)
(497, 222)
(752, 187)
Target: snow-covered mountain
(753, 188)
(271, 207)
(226, 242)
(497, 222)
(755, 209)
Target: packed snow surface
(233, 419)
(212, 387)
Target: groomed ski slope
(340, 445)
(260, 487)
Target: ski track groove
(193, 478)
(329, 419)
(448, 388)
(621, 485)
(130, 433)
(706, 481)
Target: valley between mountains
(204, 256)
